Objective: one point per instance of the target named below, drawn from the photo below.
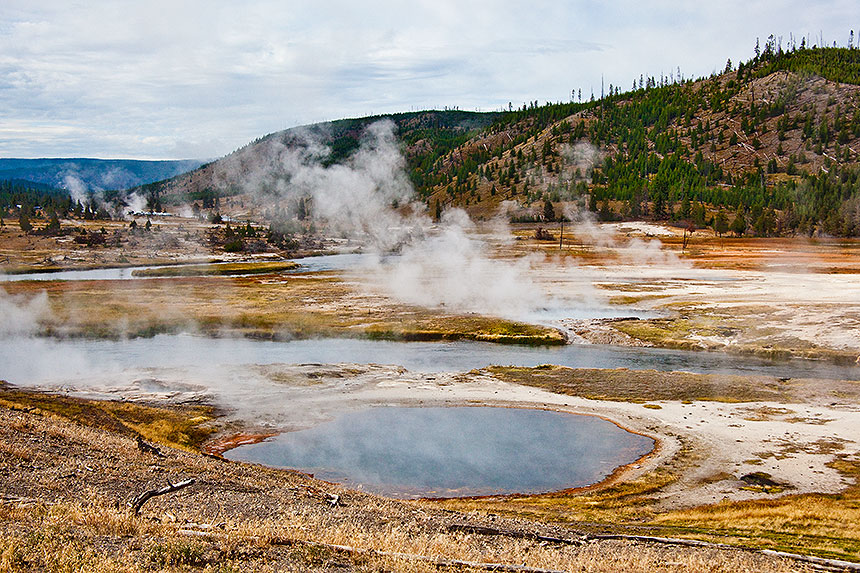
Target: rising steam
(369, 198)
(94, 196)
(21, 315)
(453, 268)
(357, 198)
(581, 157)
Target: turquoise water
(454, 452)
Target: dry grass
(265, 306)
(611, 507)
(247, 518)
(621, 384)
(823, 524)
(71, 538)
(185, 427)
(171, 241)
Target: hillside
(771, 137)
(426, 136)
(772, 144)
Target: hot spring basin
(451, 452)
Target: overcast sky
(172, 79)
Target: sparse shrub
(542, 234)
(175, 552)
(24, 221)
(234, 245)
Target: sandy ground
(793, 443)
(795, 294)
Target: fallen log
(492, 531)
(138, 501)
(816, 562)
(439, 563)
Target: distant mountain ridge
(93, 174)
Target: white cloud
(143, 79)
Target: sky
(199, 79)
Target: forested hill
(768, 146)
(253, 169)
(772, 143)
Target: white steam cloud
(581, 159)
(358, 198)
(370, 198)
(20, 315)
(94, 197)
(450, 267)
(633, 251)
(135, 203)
(77, 189)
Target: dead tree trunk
(138, 502)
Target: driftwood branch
(138, 502)
(815, 562)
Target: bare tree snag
(138, 502)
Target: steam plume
(370, 198)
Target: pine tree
(739, 225)
(54, 223)
(684, 213)
(24, 220)
(721, 223)
(548, 210)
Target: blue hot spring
(454, 451)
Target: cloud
(143, 79)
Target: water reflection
(80, 358)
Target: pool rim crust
(217, 448)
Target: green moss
(181, 427)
